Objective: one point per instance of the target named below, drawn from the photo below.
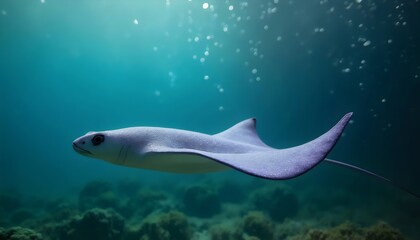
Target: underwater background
(69, 67)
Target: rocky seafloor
(207, 210)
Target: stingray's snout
(78, 146)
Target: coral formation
(221, 233)
(97, 194)
(93, 224)
(60, 209)
(168, 226)
(382, 231)
(201, 201)
(344, 231)
(19, 233)
(278, 202)
(255, 224)
(149, 214)
(379, 231)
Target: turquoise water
(68, 67)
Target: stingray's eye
(98, 139)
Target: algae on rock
(19, 233)
(350, 231)
(104, 224)
(255, 224)
(168, 226)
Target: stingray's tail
(384, 179)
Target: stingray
(239, 147)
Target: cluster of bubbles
(227, 21)
(219, 31)
(373, 29)
(210, 28)
(227, 18)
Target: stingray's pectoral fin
(284, 163)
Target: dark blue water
(68, 67)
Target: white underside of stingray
(181, 151)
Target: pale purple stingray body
(180, 151)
